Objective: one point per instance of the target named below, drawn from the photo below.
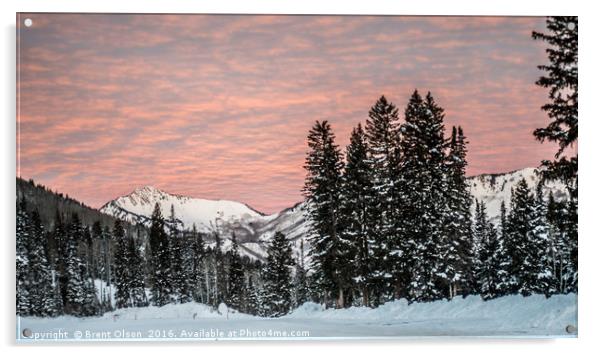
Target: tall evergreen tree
(236, 278)
(198, 270)
(160, 259)
(540, 257)
(523, 250)
(457, 221)
(122, 267)
(561, 79)
(136, 271)
(388, 267)
(219, 272)
(357, 222)
(277, 288)
(180, 289)
(77, 287)
(42, 295)
(561, 246)
(487, 256)
(22, 260)
(423, 169)
(323, 165)
(301, 286)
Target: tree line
(82, 271)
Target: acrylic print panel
(201, 177)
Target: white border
(590, 247)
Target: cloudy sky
(219, 106)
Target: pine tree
(457, 220)
(219, 272)
(278, 289)
(561, 80)
(523, 249)
(560, 245)
(161, 261)
(136, 271)
(388, 264)
(301, 287)
(486, 265)
(22, 260)
(540, 256)
(178, 277)
(122, 267)
(423, 175)
(252, 297)
(236, 279)
(198, 269)
(76, 293)
(323, 165)
(357, 223)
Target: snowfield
(511, 316)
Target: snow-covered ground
(512, 316)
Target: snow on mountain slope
(138, 207)
(254, 230)
(495, 188)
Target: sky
(219, 106)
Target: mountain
(254, 230)
(47, 203)
(205, 214)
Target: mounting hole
(27, 333)
(28, 22)
(571, 329)
(571, 26)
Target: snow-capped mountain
(205, 214)
(254, 230)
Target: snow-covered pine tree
(219, 271)
(160, 260)
(560, 244)
(387, 251)
(236, 278)
(122, 267)
(301, 287)
(59, 245)
(136, 271)
(181, 293)
(521, 272)
(41, 292)
(457, 221)
(322, 183)
(91, 306)
(423, 175)
(561, 80)
(75, 287)
(22, 259)
(540, 256)
(277, 295)
(252, 297)
(486, 260)
(357, 223)
(198, 271)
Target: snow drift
(511, 314)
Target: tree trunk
(364, 296)
(341, 299)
